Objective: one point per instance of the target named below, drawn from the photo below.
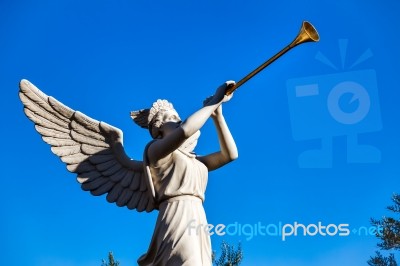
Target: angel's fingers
(228, 97)
(229, 82)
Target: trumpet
(307, 33)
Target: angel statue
(171, 178)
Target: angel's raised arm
(174, 135)
(228, 149)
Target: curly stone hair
(152, 118)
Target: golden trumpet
(307, 33)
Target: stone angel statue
(171, 178)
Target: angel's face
(164, 123)
(171, 116)
(170, 121)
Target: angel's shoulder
(158, 163)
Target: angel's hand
(220, 93)
(228, 84)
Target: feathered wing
(190, 143)
(91, 149)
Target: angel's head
(159, 119)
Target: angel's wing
(91, 149)
(190, 143)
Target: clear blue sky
(106, 58)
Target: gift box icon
(339, 104)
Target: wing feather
(38, 117)
(90, 148)
(94, 184)
(85, 132)
(114, 193)
(119, 175)
(66, 150)
(47, 132)
(124, 197)
(142, 204)
(60, 109)
(34, 98)
(103, 188)
(41, 121)
(128, 179)
(143, 185)
(28, 90)
(135, 183)
(87, 140)
(74, 158)
(134, 201)
(88, 122)
(59, 142)
(102, 167)
(82, 167)
(112, 170)
(98, 159)
(90, 175)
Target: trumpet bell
(307, 34)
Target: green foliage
(389, 235)
(380, 260)
(229, 256)
(111, 260)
